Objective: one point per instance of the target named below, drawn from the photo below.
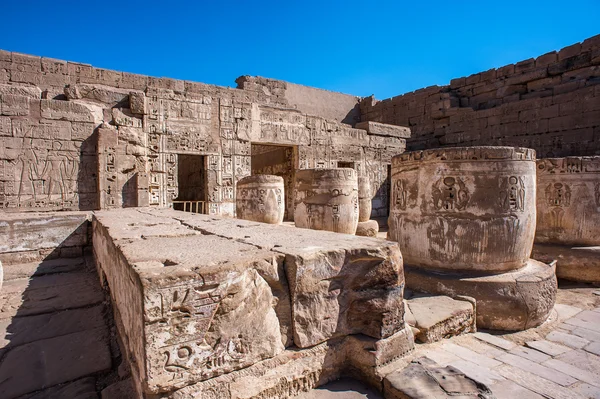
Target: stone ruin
(147, 242)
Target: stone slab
(439, 317)
(34, 231)
(593, 347)
(510, 390)
(570, 370)
(509, 301)
(383, 129)
(537, 384)
(45, 363)
(49, 293)
(468, 354)
(573, 263)
(529, 353)
(566, 339)
(535, 368)
(548, 347)
(424, 379)
(494, 340)
(26, 270)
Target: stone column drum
(326, 199)
(364, 199)
(260, 198)
(465, 222)
(568, 216)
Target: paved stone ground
(560, 359)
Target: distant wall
(550, 103)
(310, 100)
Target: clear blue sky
(357, 47)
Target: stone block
(286, 287)
(382, 129)
(370, 228)
(14, 105)
(65, 110)
(438, 317)
(34, 231)
(136, 102)
(423, 378)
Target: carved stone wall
(550, 103)
(77, 137)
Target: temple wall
(75, 137)
(550, 103)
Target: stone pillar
(568, 216)
(260, 198)
(364, 199)
(326, 199)
(464, 219)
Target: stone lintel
(383, 129)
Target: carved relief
(450, 193)
(512, 193)
(400, 194)
(558, 194)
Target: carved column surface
(464, 208)
(261, 198)
(568, 203)
(327, 199)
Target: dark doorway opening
(341, 164)
(191, 177)
(277, 160)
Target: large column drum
(464, 209)
(568, 204)
(327, 199)
(260, 198)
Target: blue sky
(357, 47)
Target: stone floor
(560, 359)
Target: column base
(573, 263)
(511, 301)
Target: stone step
(435, 317)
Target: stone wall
(77, 137)
(550, 103)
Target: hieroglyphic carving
(558, 194)
(512, 193)
(401, 195)
(450, 193)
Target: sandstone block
(424, 378)
(439, 317)
(33, 231)
(65, 110)
(15, 105)
(208, 314)
(367, 229)
(136, 102)
(383, 129)
(576, 263)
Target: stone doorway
(191, 177)
(277, 160)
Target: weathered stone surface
(327, 199)
(369, 228)
(44, 363)
(204, 306)
(364, 199)
(383, 129)
(34, 231)
(439, 317)
(464, 209)
(265, 286)
(509, 301)
(424, 379)
(568, 200)
(338, 285)
(84, 388)
(100, 93)
(260, 198)
(576, 263)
